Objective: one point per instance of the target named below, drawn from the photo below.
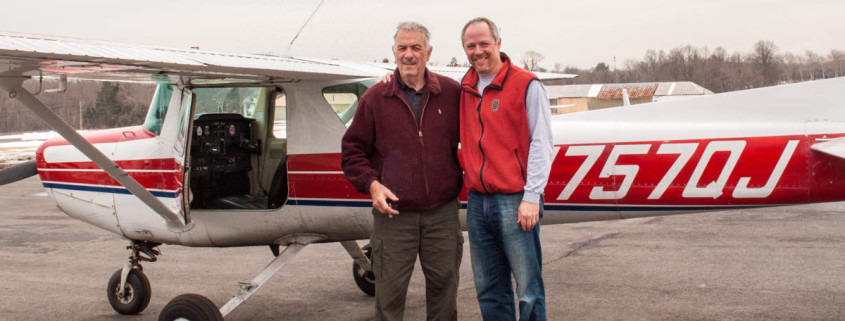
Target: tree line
(714, 69)
(99, 104)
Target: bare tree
(764, 56)
(837, 61)
(793, 67)
(531, 60)
(815, 64)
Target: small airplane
(244, 150)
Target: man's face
(410, 53)
(482, 50)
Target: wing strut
(293, 245)
(13, 85)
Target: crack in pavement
(589, 244)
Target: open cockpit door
(154, 155)
(181, 154)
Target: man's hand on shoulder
(529, 215)
(386, 78)
(381, 194)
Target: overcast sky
(577, 33)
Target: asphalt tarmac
(785, 263)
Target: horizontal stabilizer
(833, 147)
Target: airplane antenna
(287, 51)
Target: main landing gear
(129, 289)
(199, 308)
(362, 270)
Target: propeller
(18, 172)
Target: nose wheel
(135, 295)
(129, 290)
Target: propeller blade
(18, 172)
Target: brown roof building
(576, 98)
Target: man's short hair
(413, 26)
(494, 30)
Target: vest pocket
(521, 168)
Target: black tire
(366, 280)
(191, 307)
(136, 293)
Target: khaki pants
(396, 242)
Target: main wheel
(136, 292)
(191, 307)
(366, 280)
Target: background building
(576, 98)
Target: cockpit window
(158, 108)
(241, 101)
(344, 98)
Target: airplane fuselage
(745, 149)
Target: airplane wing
(36, 55)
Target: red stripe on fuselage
(135, 164)
(319, 185)
(314, 162)
(710, 175)
(151, 180)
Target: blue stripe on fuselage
(101, 189)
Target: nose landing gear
(129, 289)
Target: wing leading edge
(34, 55)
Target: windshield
(241, 101)
(344, 99)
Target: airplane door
(155, 155)
(274, 165)
(181, 155)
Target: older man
(506, 144)
(402, 150)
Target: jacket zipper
(483, 156)
(420, 133)
(521, 168)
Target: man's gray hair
(413, 26)
(494, 30)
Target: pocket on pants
(460, 253)
(377, 248)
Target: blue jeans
(499, 248)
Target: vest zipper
(483, 156)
